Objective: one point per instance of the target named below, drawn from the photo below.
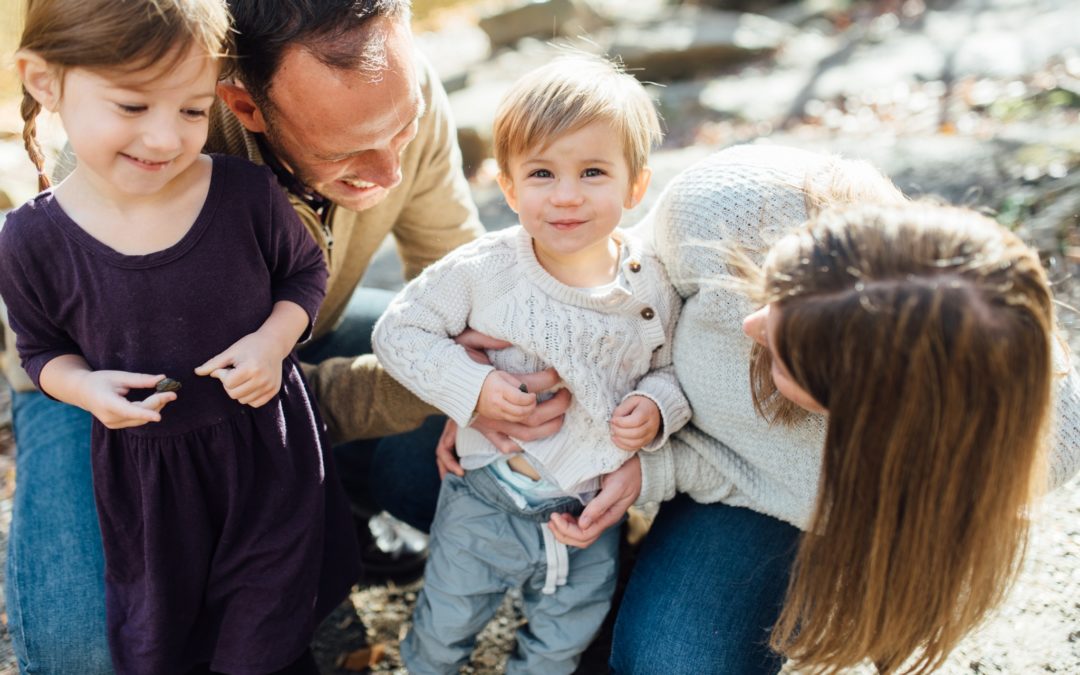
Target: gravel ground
(1036, 630)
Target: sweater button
(635, 266)
(647, 313)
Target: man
(356, 126)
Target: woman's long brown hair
(926, 331)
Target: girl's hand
(250, 369)
(103, 391)
(445, 454)
(635, 423)
(501, 398)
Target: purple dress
(226, 533)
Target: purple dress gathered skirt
(227, 536)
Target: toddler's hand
(250, 369)
(103, 394)
(501, 398)
(635, 423)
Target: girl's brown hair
(926, 332)
(128, 35)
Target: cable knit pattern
(749, 196)
(605, 347)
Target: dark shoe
(390, 550)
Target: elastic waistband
(487, 486)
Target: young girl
(569, 291)
(152, 266)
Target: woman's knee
(707, 586)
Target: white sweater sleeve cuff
(462, 382)
(657, 476)
(674, 412)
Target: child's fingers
(623, 409)
(632, 420)
(156, 402)
(541, 381)
(127, 414)
(631, 441)
(513, 395)
(245, 390)
(222, 360)
(230, 378)
(514, 412)
(123, 381)
(258, 401)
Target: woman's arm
(1064, 459)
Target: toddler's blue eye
(540, 173)
(593, 172)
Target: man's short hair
(331, 30)
(568, 94)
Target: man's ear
(506, 184)
(41, 80)
(638, 187)
(243, 106)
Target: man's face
(342, 132)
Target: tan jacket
(430, 213)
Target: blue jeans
(706, 589)
(55, 590)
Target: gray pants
(482, 545)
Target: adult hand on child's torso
(545, 419)
(618, 491)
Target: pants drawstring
(558, 561)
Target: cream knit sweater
(749, 196)
(605, 345)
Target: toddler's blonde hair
(568, 94)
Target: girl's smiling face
(761, 327)
(134, 133)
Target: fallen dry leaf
(362, 658)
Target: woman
(917, 446)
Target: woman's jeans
(706, 589)
(55, 583)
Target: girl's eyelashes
(540, 173)
(135, 109)
(592, 172)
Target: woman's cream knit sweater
(749, 196)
